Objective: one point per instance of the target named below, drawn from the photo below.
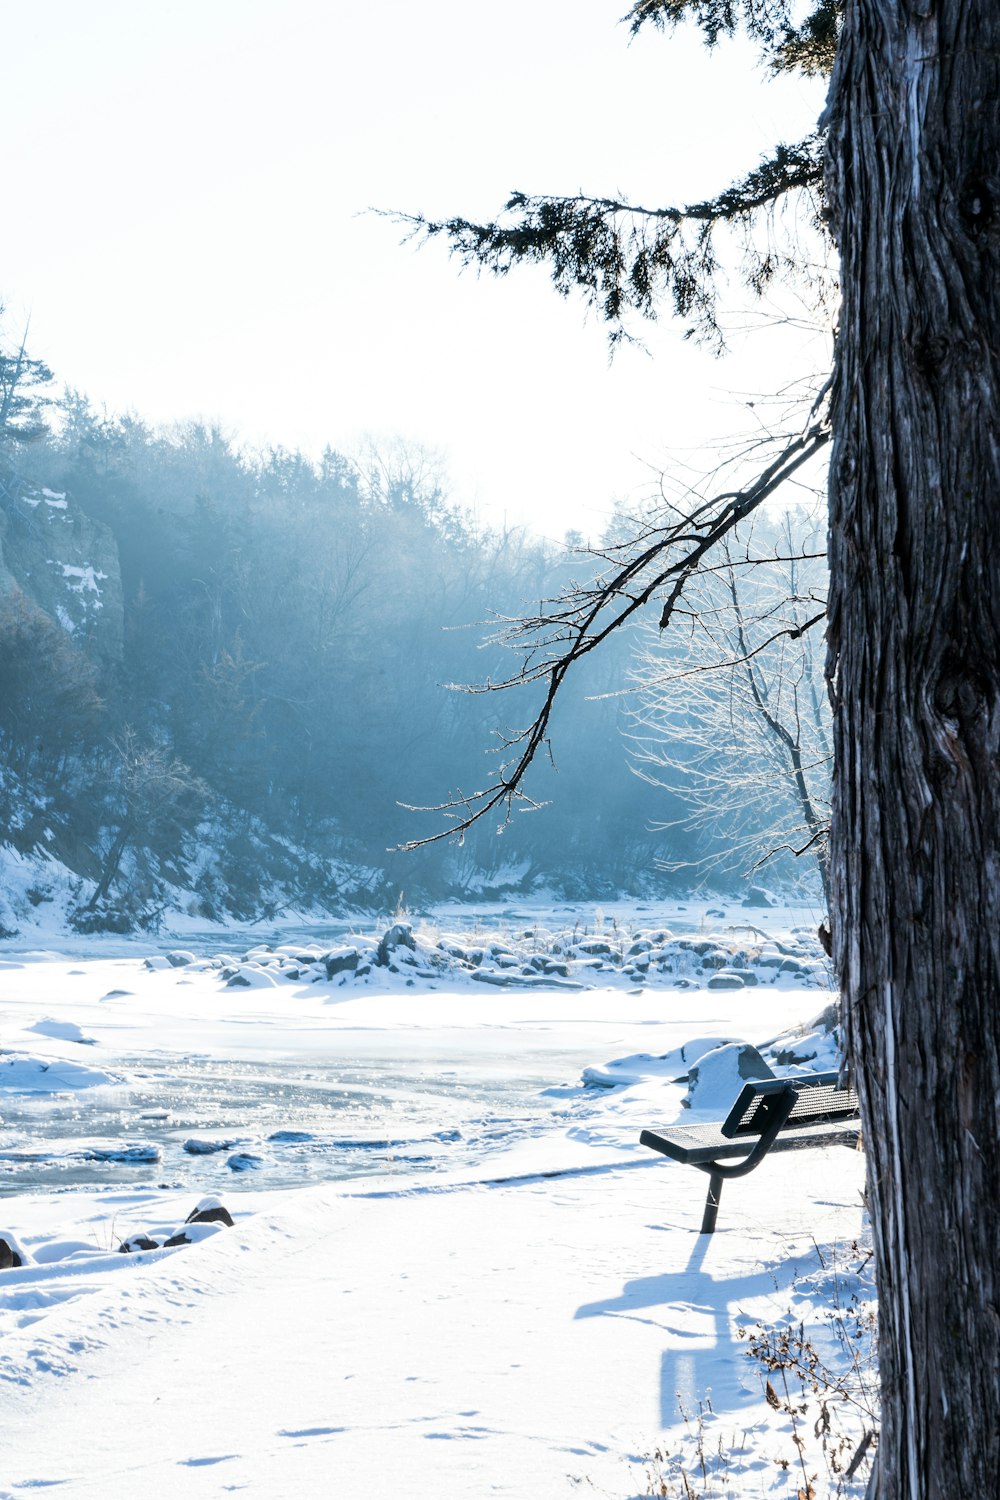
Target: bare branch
(663, 558)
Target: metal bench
(771, 1114)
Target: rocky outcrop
(65, 562)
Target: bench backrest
(819, 1099)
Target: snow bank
(512, 1301)
(546, 1336)
(23, 1073)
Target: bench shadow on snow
(696, 1309)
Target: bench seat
(769, 1114)
(697, 1143)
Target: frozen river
(196, 1085)
(439, 1232)
(232, 1123)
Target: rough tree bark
(914, 636)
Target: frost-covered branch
(729, 719)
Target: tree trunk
(914, 637)
(112, 860)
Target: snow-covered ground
(452, 1271)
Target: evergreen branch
(624, 256)
(807, 47)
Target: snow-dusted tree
(911, 145)
(732, 713)
(24, 394)
(152, 793)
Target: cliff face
(66, 563)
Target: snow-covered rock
(717, 1077)
(210, 1210)
(244, 1161)
(200, 1146)
(640, 1067)
(758, 897)
(251, 977)
(11, 1254)
(179, 958)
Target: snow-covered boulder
(11, 1254)
(726, 979)
(641, 1067)
(717, 1077)
(251, 977)
(244, 1161)
(207, 1217)
(400, 935)
(202, 1146)
(342, 961)
(138, 1241)
(210, 1211)
(179, 958)
(758, 897)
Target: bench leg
(712, 1203)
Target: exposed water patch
(206, 1125)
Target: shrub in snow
(106, 917)
(828, 1019)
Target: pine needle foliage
(629, 259)
(806, 46)
(626, 258)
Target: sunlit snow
(453, 1271)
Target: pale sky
(185, 190)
